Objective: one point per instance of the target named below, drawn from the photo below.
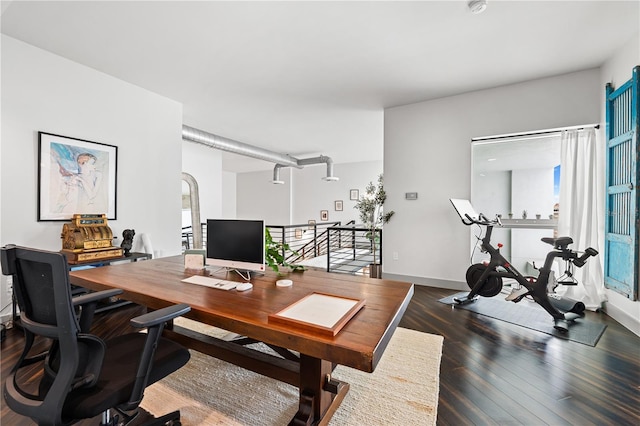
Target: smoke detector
(477, 6)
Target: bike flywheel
(491, 286)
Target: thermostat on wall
(411, 195)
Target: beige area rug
(402, 390)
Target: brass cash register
(88, 238)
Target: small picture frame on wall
(312, 223)
(338, 205)
(354, 194)
(324, 214)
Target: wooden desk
(360, 344)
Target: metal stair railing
(351, 249)
(348, 249)
(305, 240)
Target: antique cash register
(88, 238)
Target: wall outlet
(395, 255)
(9, 285)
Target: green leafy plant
(274, 254)
(372, 214)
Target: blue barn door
(622, 257)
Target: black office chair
(82, 375)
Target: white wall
(312, 194)
(258, 198)
(617, 70)
(229, 190)
(45, 92)
(428, 150)
(492, 193)
(304, 193)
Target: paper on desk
(319, 309)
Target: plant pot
(375, 270)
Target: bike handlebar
(482, 220)
(580, 262)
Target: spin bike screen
(465, 210)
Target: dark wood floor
(495, 373)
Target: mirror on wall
(518, 178)
(191, 235)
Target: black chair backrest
(41, 286)
(42, 289)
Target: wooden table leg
(320, 394)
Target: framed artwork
(298, 233)
(324, 214)
(75, 176)
(354, 194)
(312, 223)
(338, 205)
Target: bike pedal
(516, 295)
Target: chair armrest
(154, 322)
(88, 302)
(160, 316)
(95, 297)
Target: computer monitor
(236, 244)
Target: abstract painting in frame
(75, 176)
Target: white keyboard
(211, 282)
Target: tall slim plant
(372, 215)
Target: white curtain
(581, 216)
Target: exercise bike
(485, 279)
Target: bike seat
(559, 243)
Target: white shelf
(530, 223)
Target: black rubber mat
(530, 315)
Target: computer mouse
(244, 286)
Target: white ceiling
(309, 78)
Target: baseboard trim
(627, 321)
(429, 282)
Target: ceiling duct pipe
(306, 162)
(276, 175)
(229, 145)
(318, 160)
(282, 160)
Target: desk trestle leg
(320, 394)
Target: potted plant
(275, 254)
(370, 206)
